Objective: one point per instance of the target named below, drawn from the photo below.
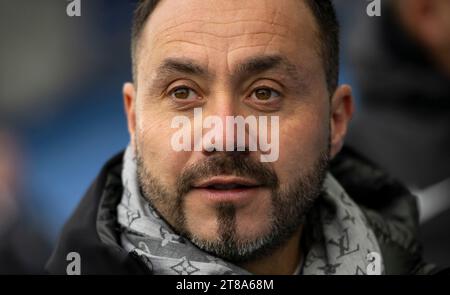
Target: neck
(283, 261)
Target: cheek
(154, 142)
(302, 139)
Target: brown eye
(183, 93)
(264, 94)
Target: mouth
(227, 189)
(226, 183)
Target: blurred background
(61, 113)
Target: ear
(129, 99)
(341, 114)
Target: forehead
(219, 34)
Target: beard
(289, 203)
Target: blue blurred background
(61, 82)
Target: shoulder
(390, 208)
(91, 231)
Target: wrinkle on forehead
(223, 36)
(223, 18)
(205, 14)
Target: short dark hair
(323, 11)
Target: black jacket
(93, 231)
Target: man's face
(231, 58)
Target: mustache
(227, 164)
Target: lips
(226, 183)
(228, 186)
(237, 190)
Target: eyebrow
(264, 63)
(260, 64)
(181, 65)
(253, 66)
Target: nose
(220, 133)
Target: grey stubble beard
(288, 210)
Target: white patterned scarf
(340, 242)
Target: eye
(183, 93)
(264, 94)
